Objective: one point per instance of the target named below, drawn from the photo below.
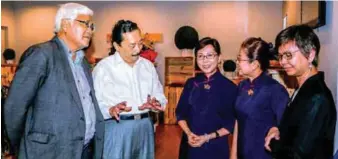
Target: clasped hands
(272, 134)
(197, 141)
(152, 103)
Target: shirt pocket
(145, 89)
(146, 84)
(118, 87)
(41, 138)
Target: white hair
(70, 11)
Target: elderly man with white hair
(51, 111)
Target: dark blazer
(308, 125)
(43, 112)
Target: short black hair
(208, 41)
(121, 27)
(304, 38)
(9, 54)
(258, 49)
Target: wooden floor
(167, 141)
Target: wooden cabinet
(177, 71)
(173, 95)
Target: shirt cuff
(162, 101)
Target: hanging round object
(9, 54)
(186, 37)
(229, 66)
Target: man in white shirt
(127, 87)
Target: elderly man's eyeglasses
(287, 55)
(87, 23)
(208, 56)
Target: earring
(310, 65)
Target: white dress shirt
(115, 81)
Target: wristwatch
(217, 134)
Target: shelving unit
(177, 71)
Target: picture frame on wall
(313, 13)
(4, 38)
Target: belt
(131, 117)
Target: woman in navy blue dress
(260, 102)
(205, 109)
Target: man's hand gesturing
(152, 103)
(114, 111)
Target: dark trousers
(87, 152)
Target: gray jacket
(43, 112)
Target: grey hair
(70, 11)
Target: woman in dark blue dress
(205, 109)
(260, 102)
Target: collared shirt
(115, 81)
(83, 89)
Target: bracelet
(217, 134)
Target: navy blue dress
(257, 113)
(208, 105)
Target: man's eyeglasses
(208, 56)
(287, 55)
(87, 23)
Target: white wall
(328, 36)
(7, 19)
(229, 22)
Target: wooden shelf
(177, 71)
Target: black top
(308, 125)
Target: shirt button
(82, 118)
(83, 97)
(78, 81)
